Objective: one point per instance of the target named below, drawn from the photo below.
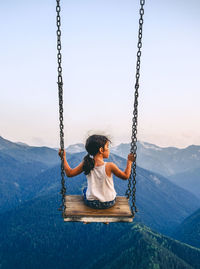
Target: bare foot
(106, 222)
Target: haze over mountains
(189, 180)
(33, 232)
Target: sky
(99, 46)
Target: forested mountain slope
(35, 236)
(189, 230)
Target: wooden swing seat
(76, 210)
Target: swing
(73, 207)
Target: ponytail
(88, 164)
(93, 144)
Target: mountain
(165, 161)
(189, 180)
(34, 236)
(162, 204)
(142, 248)
(75, 148)
(19, 165)
(16, 180)
(189, 230)
(25, 153)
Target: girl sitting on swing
(100, 192)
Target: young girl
(100, 192)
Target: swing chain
(132, 179)
(60, 95)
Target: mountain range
(27, 154)
(32, 229)
(165, 161)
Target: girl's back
(100, 186)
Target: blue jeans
(96, 203)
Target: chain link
(131, 191)
(60, 95)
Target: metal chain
(60, 95)
(132, 180)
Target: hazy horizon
(112, 144)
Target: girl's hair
(92, 145)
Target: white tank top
(100, 186)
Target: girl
(100, 192)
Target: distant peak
(193, 147)
(5, 143)
(79, 147)
(149, 146)
(4, 140)
(22, 144)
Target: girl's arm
(126, 173)
(71, 172)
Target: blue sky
(99, 53)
